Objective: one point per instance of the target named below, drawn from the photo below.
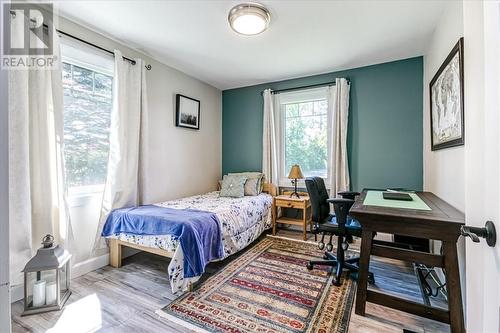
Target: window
(304, 126)
(87, 87)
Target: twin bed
(233, 224)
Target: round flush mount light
(249, 18)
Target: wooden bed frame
(115, 245)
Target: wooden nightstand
(284, 201)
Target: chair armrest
(348, 194)
(340, 201)
(341, 207)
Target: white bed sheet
(242, 221)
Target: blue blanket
(198, 231)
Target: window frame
(299, 96)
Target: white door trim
(482, 158)
(4, 206)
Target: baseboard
(16, 293)
(89, 265)
(94, 263)
(5, 325)
(79, 269)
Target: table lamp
(295, 173)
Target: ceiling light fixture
(249, 18)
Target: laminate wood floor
(125, 299)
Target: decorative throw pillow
(254, 183)
(233, 186)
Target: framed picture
(187, 112)
(447, 101)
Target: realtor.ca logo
(27, 34)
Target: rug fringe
(181, 322)
(293, 239)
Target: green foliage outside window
(306, 137)
(87, 117)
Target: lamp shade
(295, 172)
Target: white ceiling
(304, 37)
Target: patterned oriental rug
(267, 289)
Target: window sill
(301, 184)
(83, 195)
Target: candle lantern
(47, 278)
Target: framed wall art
(447, 101)
(187, 112)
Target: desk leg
(364, 263)
(311, 224)
(274, 212)
(304, 221)
(453, 287)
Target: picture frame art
(187, 112)
(447, 101)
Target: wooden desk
(285, 201)
(442, 223)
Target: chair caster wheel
(309, 266)
(325, 257)
(321, 245)
(329, 247)
(371, 278)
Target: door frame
(5, 324)
(482, 156)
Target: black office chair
(341, 225)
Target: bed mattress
(242, 221)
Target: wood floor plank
(129, 296)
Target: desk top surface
(439, 210)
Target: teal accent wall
(385, 124)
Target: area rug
(267, 289)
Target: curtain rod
(132, 61)
(317, 85)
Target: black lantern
(47, 278)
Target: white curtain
(37, 193)
(124, 182)
(269, 143)
(338, 103)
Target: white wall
(444, 170)
(181, 162)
